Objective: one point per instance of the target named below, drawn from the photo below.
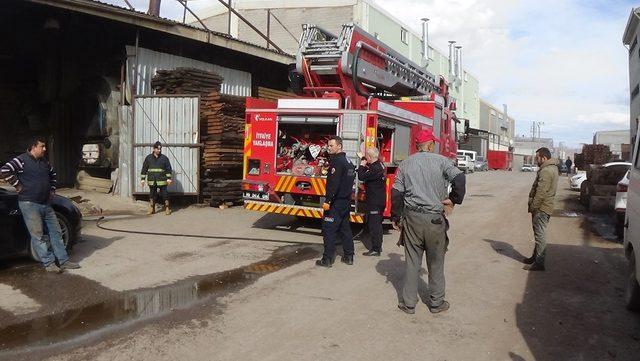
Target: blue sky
(560, 62)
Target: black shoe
(531, 259)
(324, 262)
(347, 259)
(372, 253)
(535, 266)
(406, 309)
(443, 307)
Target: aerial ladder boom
(355, 63)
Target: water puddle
(567, 214)
(137, 305)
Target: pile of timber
(273, 94)
(596, 154)
(221, 131)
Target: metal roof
(138, 18)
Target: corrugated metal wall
(174, 121)
(235, 82)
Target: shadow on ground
(575, 310)
(393, 270)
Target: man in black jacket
(35, 181)
(373, 173)
(156, 169)
(337, 205)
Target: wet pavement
(99, 308)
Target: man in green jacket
(541, 206)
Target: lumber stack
(221, 131)
(596, 153)
(273, 94)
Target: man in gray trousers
(419, 205)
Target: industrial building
(282, 22)
(72, 70)
(617, 140)
(630, 40)
(494, 132)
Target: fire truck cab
(285, 152)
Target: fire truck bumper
(291, 210)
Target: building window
(635, 91)
(404, 35)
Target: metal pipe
(268, 26)
(250, 25)
(425, 40)
(154, 8)
(285, 28)
(184, 3)
(459, 59)
(451, 69)
(132, 128)
(228, 5)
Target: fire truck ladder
(321, 52)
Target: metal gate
(174, 121)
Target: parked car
(470, 160)
(621, 204)
(464, 163)
(14, 237)
(562, 168)
(481, 164)
(576, 181)
(631, 243)
(528, 168)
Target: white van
(470, 164)
(632, 231)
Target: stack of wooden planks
(596, 153)
(221, 131)
(273, 94)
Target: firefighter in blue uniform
(337, 205)
(156, 170)
(373, 173)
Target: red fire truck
(351, 85)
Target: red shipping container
(499, 159)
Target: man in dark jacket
(568, 163)
(156, 169)
(373, 173)
(35, 181)
(337, 205)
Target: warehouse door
(174, 121)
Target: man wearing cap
(337, 205)
(156, 170)
(419, 205)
